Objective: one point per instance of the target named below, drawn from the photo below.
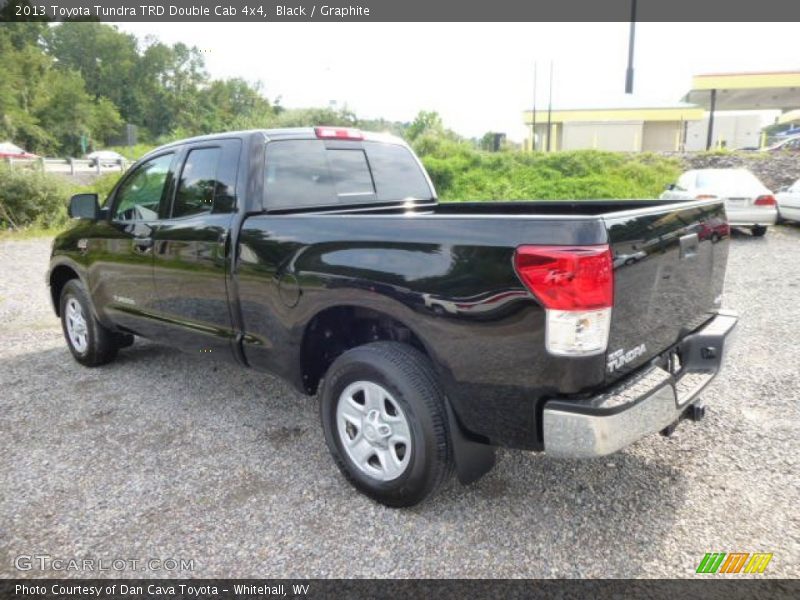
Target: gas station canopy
(746, 91)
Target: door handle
(143, 243)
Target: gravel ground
(159, 455)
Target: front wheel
(90, 342)
(385, 423)
(758, 230)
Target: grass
(29, 233)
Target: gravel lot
(161, 456)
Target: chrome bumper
(643, 404)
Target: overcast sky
(478, 76)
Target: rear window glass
(305, 173)
(396, 172)
(350, 173)
(727, 179)
(297, 174)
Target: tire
(758, 230)
(90, 342)
(385, 423)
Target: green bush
(103, 185)
(460, 172)
(31, 198)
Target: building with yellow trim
(721, 110)
(624, 129)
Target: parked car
(628, 259)
(431, 332)
(106, 158)
(9, 150)
(790, 144)
(789, 202)
(714, 229)
(748, 202)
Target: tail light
(766, 200)
(705, 197)
(338, 133)
(575, 284)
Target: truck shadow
(741, 235)
(248, 439)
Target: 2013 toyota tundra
(432, 332)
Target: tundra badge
(620, 358)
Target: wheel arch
(335, 329)
(58, 278)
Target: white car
(106, 158)
(748, 202)
(789, 202)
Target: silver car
(748, 202)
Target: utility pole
(550, 108)
(533, 112)
(631, 41)
(712, 109)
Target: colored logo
(734, 562)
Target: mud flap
(473, 459)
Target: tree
(23, 66)
(105, 122)
(105, 58)
(425, 123)
(65, 109)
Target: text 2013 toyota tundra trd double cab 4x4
(431, 332)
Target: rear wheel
(385, 423)
(758, 230)
(90, 342)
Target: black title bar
(403, 10)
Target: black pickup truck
(432, 332)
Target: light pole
(631, 40)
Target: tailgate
(669, 268)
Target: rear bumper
(642, 404)
(747, 217)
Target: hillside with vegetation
(71, 87)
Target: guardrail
(68, 166)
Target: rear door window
(198, 183)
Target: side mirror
(669, 187)
(84, 206)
